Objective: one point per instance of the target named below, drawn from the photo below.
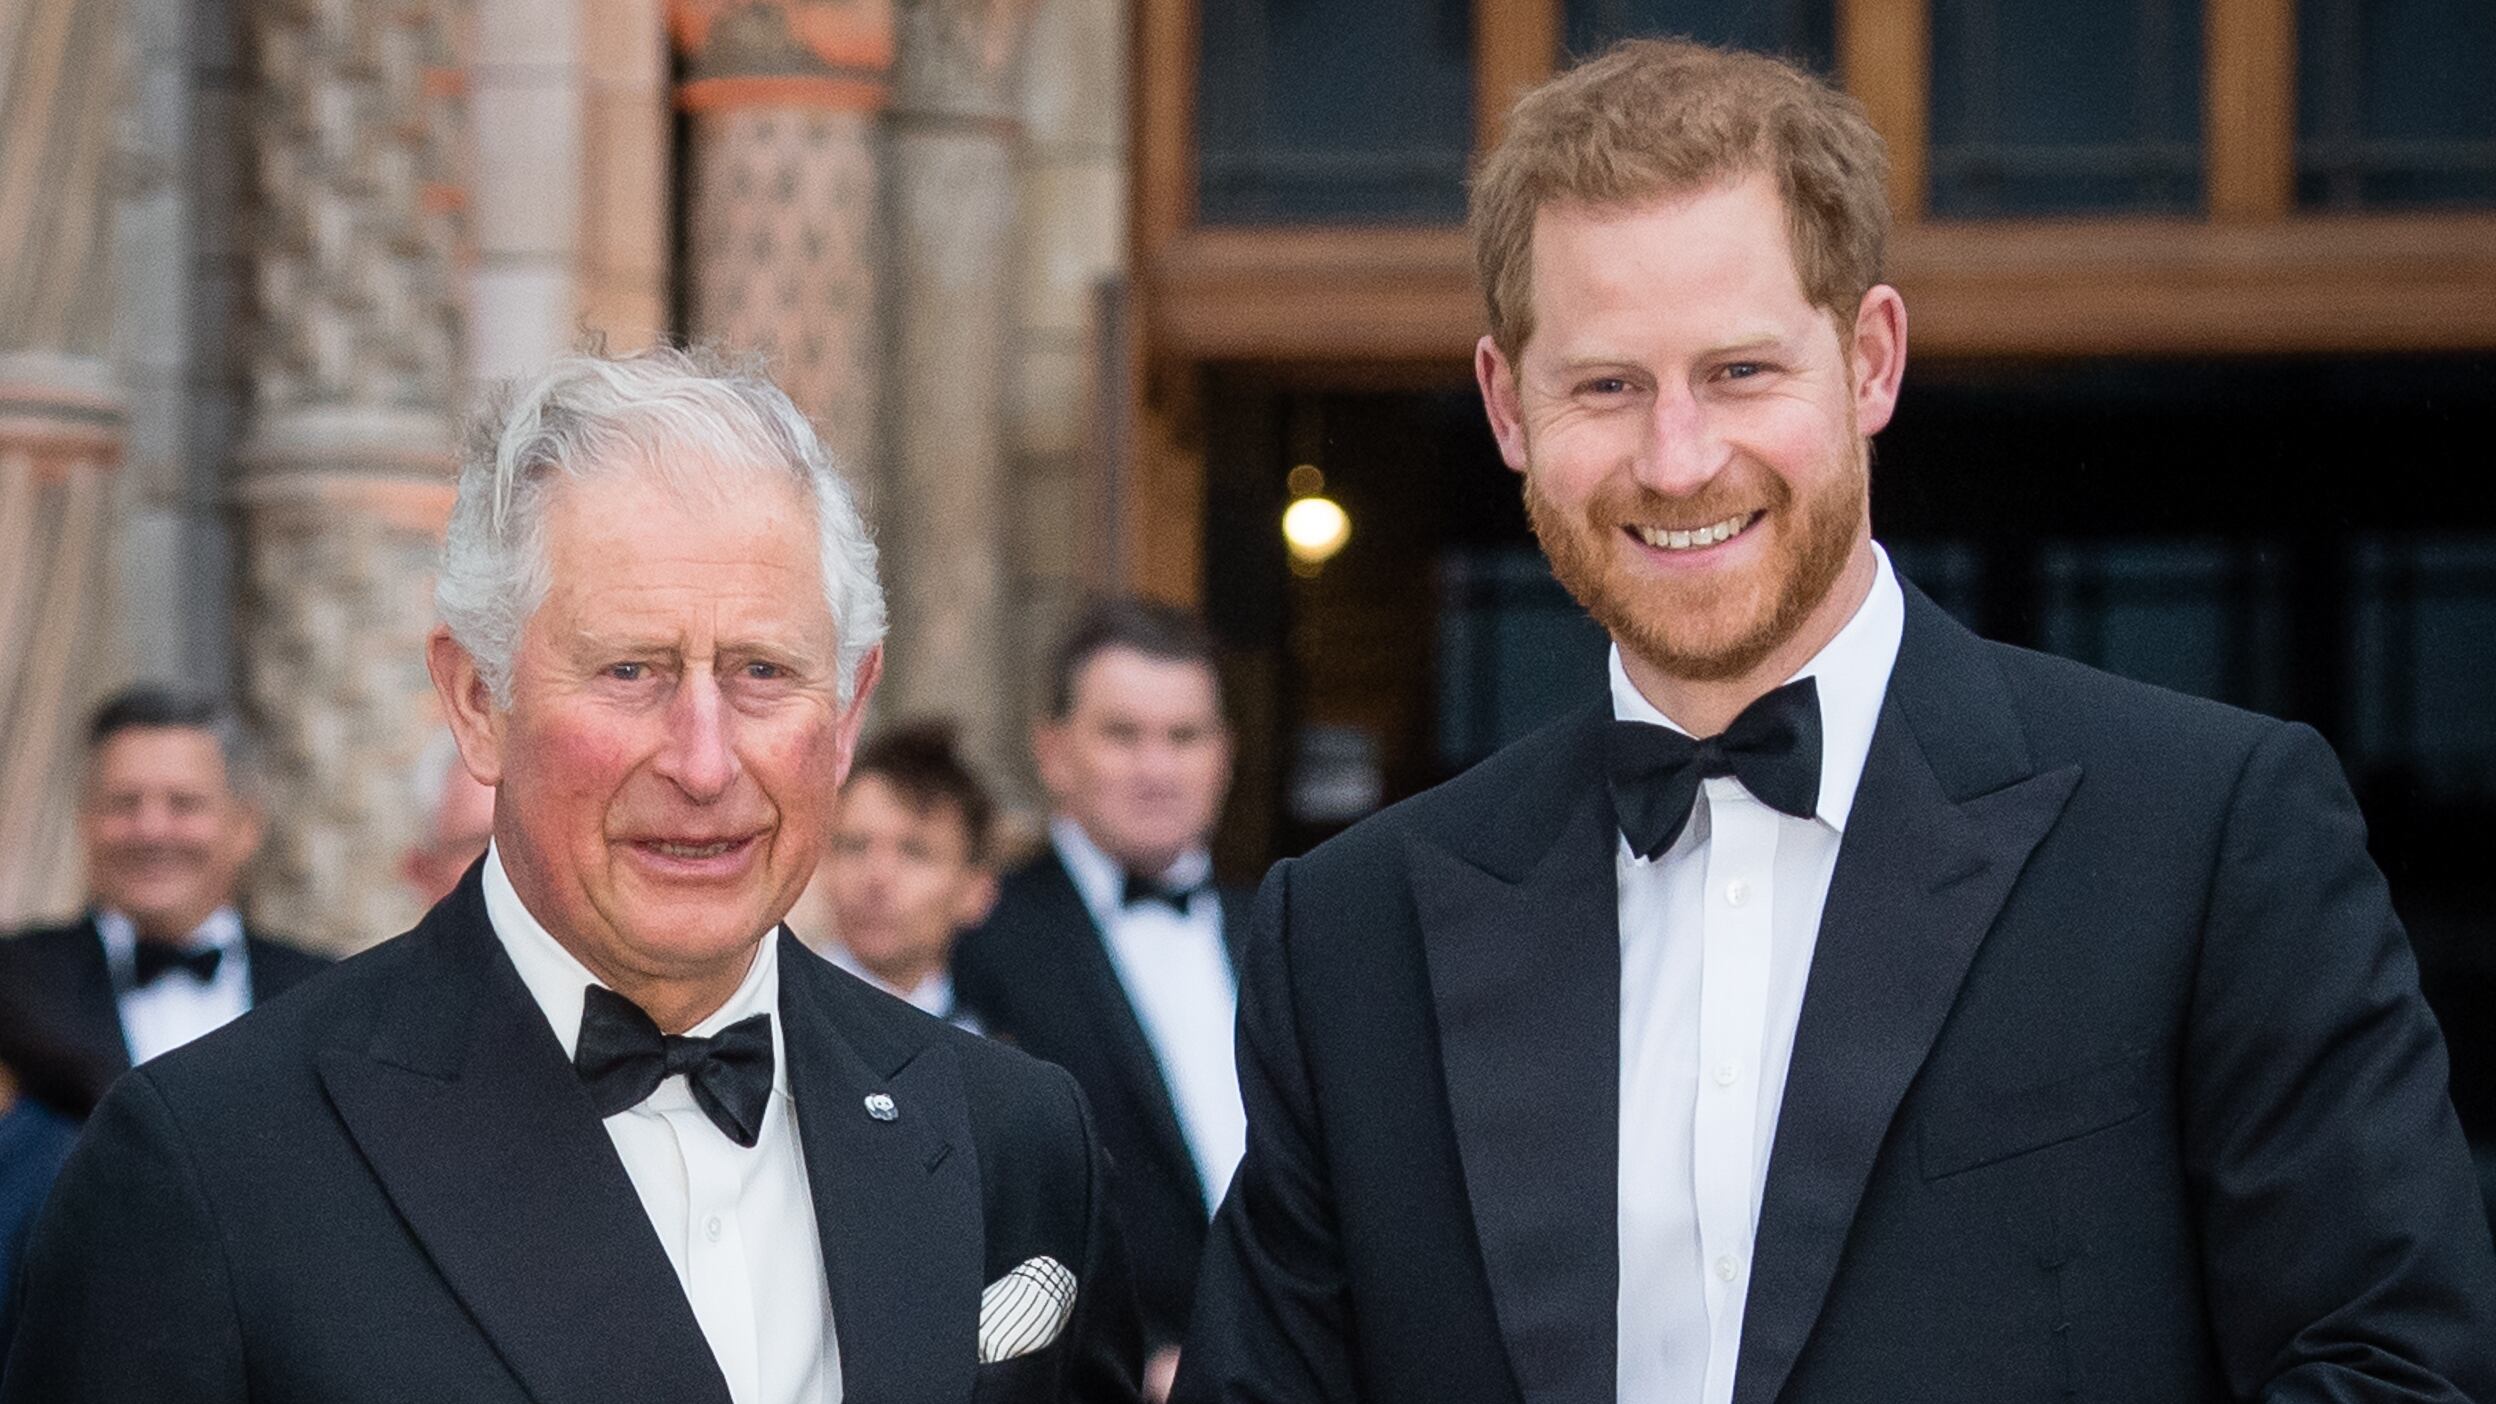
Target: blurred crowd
(1101, 943)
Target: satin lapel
(1525, 978)
(93, 1002)
(1929, 857)
(1112, 1015)
(897, 1202)
(478, 1131)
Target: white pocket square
(1025, 1309)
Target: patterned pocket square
(1025, 1309)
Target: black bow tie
(623, 1058)
(1140, 890)
(1773, 748)
(156, 959)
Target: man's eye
(765, 672)
(627, 672)
(1743, 370)
(1607, 385)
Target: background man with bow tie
(1950, 1023)
(169, 820)
(598, 1129)
(1112, 952)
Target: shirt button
(1725, 1268)
(1737, 892)
(712, 1228)
(1728, 1072)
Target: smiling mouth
(1678, 539)
(692, 852)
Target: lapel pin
(881, 1107)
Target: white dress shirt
(1177, 975)
(738, 1223)
(1716, 940)
(178, 1007)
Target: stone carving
(356, 242)
(784, 243)
(338, 598)
(347, 465)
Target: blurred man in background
(908, 869)
(460, 824)
(1112, 953)
(168, 819)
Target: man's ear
(250, 828)
(854, 717)
(1501, 401)
(974, 899)
(467, 705)
(1878, 357)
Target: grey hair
(690, 415)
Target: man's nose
(699, 756)
(151, 820)
(1683, 451)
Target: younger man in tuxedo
(1111, 953)
(169, 820)
(909, 867)
(1846, 1008)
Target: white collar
(1099, 879)
(1851, 673)
(933, 995)
(557, 980)
(223, 930)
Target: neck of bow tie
(1138, 890)
(1773, 748)
(156, 959)
(622, 1059)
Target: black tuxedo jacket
(391, 1186)
(60, 1018)
(2112, 1082)
(1038, 971)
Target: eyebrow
(1746, 346)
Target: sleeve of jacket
(128, 1298)
(1273, 1321)
(2344, 1245)
(1108, 1338)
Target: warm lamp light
(1315, 528)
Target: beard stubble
(1710, 630)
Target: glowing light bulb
(1315, 528)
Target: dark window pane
(1804, 30)
(1335, 110)
(2045, 106)
(1514, 651)
(2425, 641)
(2396, 103)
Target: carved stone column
(61, 426)
(348, 465)
(955, 126)
(783, 236)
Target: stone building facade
(258, 258)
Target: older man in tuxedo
(1845, 1009)
(598, 1129)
